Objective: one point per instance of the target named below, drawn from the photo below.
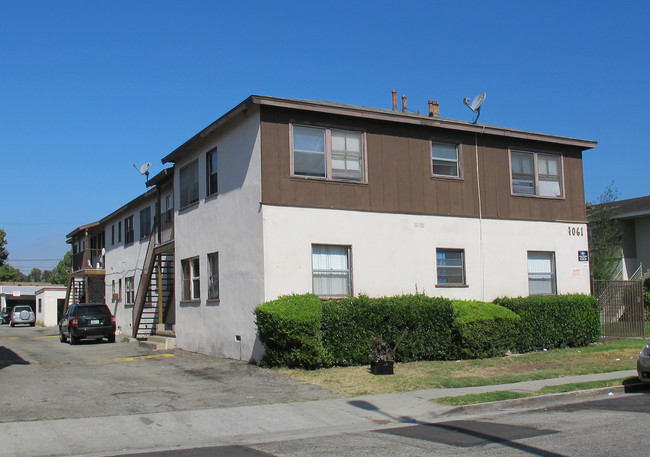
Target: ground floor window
(191, 279)
(213, 279)
(129, 286)
(541, 273)
(450, 265)
(331, 270)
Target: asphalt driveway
(42, 378)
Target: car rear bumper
(92, 332)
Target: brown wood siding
(398, 170)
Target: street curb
(544, 400)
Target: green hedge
(555, 321)
(484, 330)
(290, 331)
(350, 326)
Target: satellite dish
(476, 104)
(144, 169)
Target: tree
(4, 254)
(11, 274)
(61, 272)
(36, 275)
(605, 236)
(47, 276)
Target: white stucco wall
(47, 314)
(229, 223)
(125, 260)
(394, 253)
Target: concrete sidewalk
(253, 424)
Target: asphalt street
(102, 399)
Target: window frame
(212, 172)
(458, 161)
(145, 230)
(129, 292)
(536, 173)
(329, 170)
(129, 234)
(463, 268)
(213, 276)
(553, 273)
(119, 231)
(190, 195)
(190, 279)
(333, 272)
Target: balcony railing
(90, 259)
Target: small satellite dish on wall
(144, 169)
(476, 104)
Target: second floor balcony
(88, 259)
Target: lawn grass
(596, 358)
(486, 397)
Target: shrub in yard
(351, 325)
(555, 321)
(484, 330)
(290, 331)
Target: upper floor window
(328, 153)
(128, 230)
(211, 166)
(145, 222)
(119, 232)
(189, 182)
(445, 161)
(169, 207)
(536, 174)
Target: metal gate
(621, 308)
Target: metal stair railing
(143, 286)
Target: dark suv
(87, 320)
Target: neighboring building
(282, 196)
(18, 293)
(633, 216)
(50, 302)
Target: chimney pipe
(403, 103)
(434, 109)
(394, 100)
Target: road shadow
(9, 357)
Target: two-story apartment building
(282, 196)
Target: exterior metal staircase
(155, 291)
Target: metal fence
(621, 308)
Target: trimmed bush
(350, 327)
(290, 331)
(555, 321)
(484, 330)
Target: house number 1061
(575, 231)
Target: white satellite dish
(476, 104)
(144, 169)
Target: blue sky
(89, 87)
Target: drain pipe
(480, 219)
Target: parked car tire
(11, 324)
(111, 338)
(62, 337)
(73, 339)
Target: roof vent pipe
(394, 100)
(403, 103)
(434, 108)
